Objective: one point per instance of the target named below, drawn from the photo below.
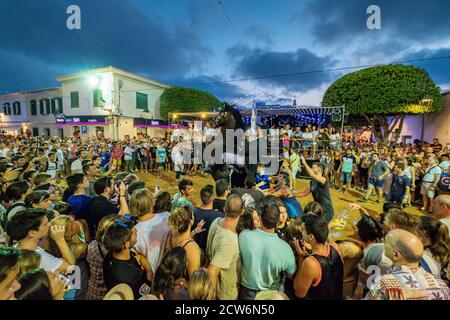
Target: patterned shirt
(403, 283)
(96, 285)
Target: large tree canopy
(179, 99)
(378, 92)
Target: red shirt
(117, 153)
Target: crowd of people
(77, 222)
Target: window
(141, 101)
(47, 132)
(97, 98)
(7, 109)
(35, 132)
(74, 99)
(53, 103)
(47, 106)
(33, 107)
(16, 108)
(57, 105)
(41, 106)
(44, 106)
(59, 109)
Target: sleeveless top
(203, 257)
(329, 285)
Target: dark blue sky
(189, 42)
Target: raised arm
(311, 173)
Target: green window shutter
(53, 105)
(141, 101)
(6, 109)
(16, 108)
(74, 99)
(60, 104)
(41, 106)
(97, 97)
(47, 106)
(33, 107)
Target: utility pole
(120, 82)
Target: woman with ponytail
(435, 238)
(180, 223)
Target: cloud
(438, 70)
(260, 63)
(260, 34)
(222, 90)
(20, 73)
(343, 20)
(113, 32)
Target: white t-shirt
(151, 238)
(307, 136)
(128, 153)
(76, 166)
(51, 170)
(60, 156)
(430, 173)
(49, 262)
(444, 165)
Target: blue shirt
(265, 257)
(293, 207)
(399, 186)
(105, 158)
(80, 205)
(161, 154)
(263, 178)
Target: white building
(107, 101)
(436, 125)
(112, 102)
(32, 111)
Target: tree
(179, 99)
(384, 95)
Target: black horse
(230, 118)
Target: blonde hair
(103, 225)
(30, 261)
(65, 221)
(141, 202)
(201, 285)
(180, 219)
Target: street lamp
(426, 103)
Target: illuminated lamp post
(426, 103)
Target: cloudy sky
(193, 43)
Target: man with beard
(102, 206)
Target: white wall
(11, 98)
(86, 95)
(437, 124)
(128, 96)
(40, 119)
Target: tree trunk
(382, 129)
(398, 131)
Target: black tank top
(330, 284)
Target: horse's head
(222, 117)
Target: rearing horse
(230, 118)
